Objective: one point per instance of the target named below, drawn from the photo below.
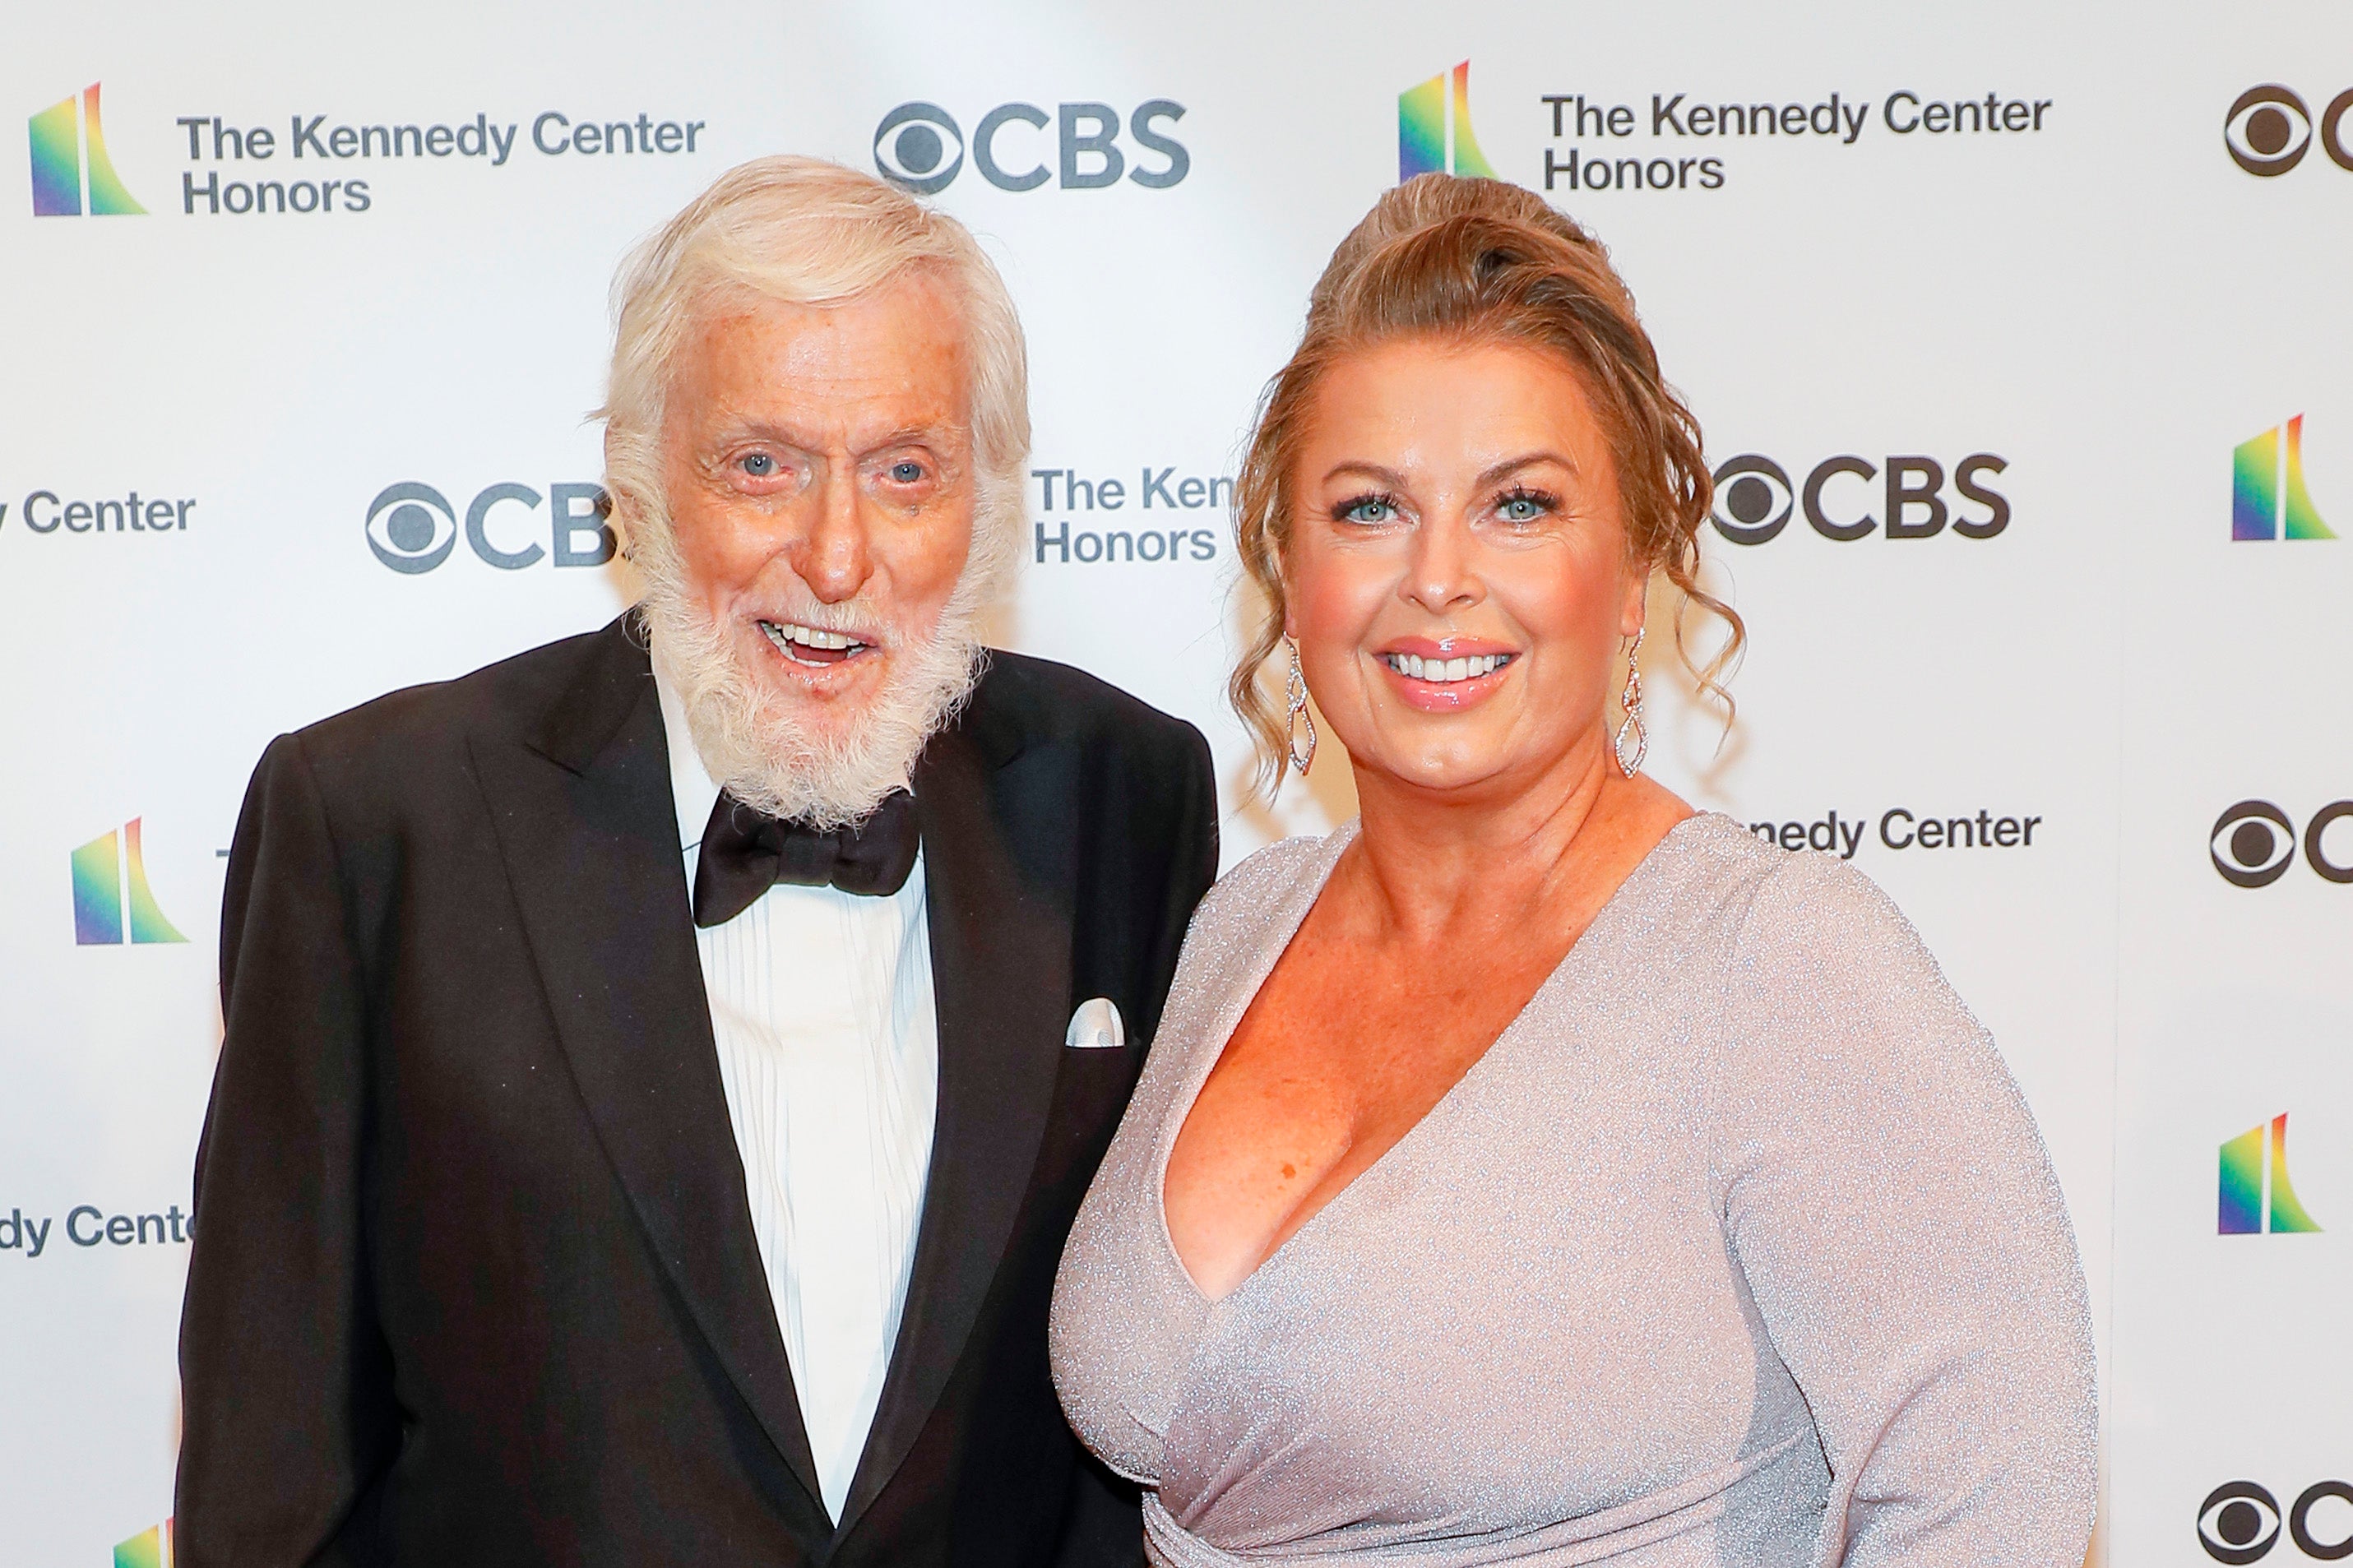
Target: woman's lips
(1442, 683)
(1445, 670)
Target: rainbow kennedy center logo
(71, 172)
(150, 1549)
(2256, 1199)
(1434, 129)
(2268, 499)
(110, 882)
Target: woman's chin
(1450, 770)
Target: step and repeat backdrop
(2020, 335)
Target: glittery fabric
(1738, 1247)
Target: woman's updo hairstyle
(1477, 261)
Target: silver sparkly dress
(1738, 1247)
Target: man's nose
(835, 557)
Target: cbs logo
(919, 148)
(412, 527)
(2240, 1522)
(2268, 131)
(1754, 500)
(2253, 843)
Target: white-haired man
(647, 1125)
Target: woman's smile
(1444, 675)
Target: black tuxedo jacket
(474, 1279)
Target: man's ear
(616, 516)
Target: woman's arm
(1889, 1199)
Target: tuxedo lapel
(589, 835)
(1000, 945)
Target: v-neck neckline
(1181, 1106)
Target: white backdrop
(2079, 311)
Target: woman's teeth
(1415, 667)
(811, 645)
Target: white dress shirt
(829, 1049)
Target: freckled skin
(820, 469)
(1446, 494)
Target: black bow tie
(747, 852)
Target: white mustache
(771, 757)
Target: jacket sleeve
(285, 1387)
(1102, 1525)
(1891, 1204)
(1194, 864)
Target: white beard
(766, 760)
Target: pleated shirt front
(822, 1006)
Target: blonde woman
(1536, 1170)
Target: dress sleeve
(1889, 1200)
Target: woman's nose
(1441, 577)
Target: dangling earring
(1294, 693)
(1630, 700)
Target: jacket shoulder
(1022, 700)
(508, 697)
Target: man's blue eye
(906, 473)
(759, 465)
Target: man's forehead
(894, 360)
(912, 312)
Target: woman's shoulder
(1776, 900)
(1266, 879)
(1820, 968)
(1233, 927)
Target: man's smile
(813, 646)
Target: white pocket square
(1096, 1026)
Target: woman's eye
(1522, 509)
(1368, 509)
(906, 472)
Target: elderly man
(661, 1069)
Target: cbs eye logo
(2240, 1522)
(2268, 131)
(919, 147)
(2253, 843)
(1755, 498)
(412, 528)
